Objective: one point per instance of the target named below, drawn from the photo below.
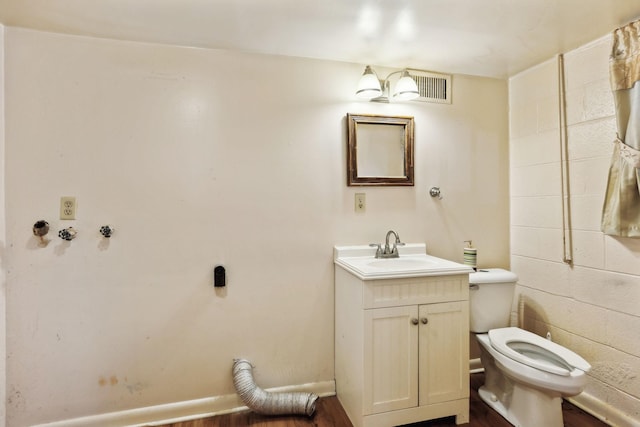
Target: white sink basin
(412, 262)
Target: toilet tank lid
(492, 275)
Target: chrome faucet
(388, 251)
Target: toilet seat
(534, 351)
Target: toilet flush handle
(474, 287)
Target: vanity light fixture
(372, 88)
(369, 85)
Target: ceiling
(495, 38)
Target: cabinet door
(444, 352)
(390, 359)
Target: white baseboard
(210, 406)
(183, 411)
(603, 411)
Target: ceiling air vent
(433, 87)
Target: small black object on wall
(219, 277)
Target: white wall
(200, 157)
(3, 328)
(591, 307)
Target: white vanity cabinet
(402, 347)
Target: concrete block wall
(591, 306)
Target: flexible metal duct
(269, 403)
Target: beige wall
(591, 307)
(200, 157)
(3, 241)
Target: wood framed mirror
(379, 150)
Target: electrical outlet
(360, 202)
(68, 207)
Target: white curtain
(621, 210)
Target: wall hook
(107, 231)
(435, 192)
(67, 234)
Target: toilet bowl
(526, 376)
(548, 366)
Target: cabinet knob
(424, 320)
(414, 321)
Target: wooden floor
(329, 413)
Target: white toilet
(526, 376)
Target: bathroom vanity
(401, 336)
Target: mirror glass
(380, 150)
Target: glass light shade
(369, 85)
(406, 88)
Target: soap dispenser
(470, 254)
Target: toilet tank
(490, 299)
